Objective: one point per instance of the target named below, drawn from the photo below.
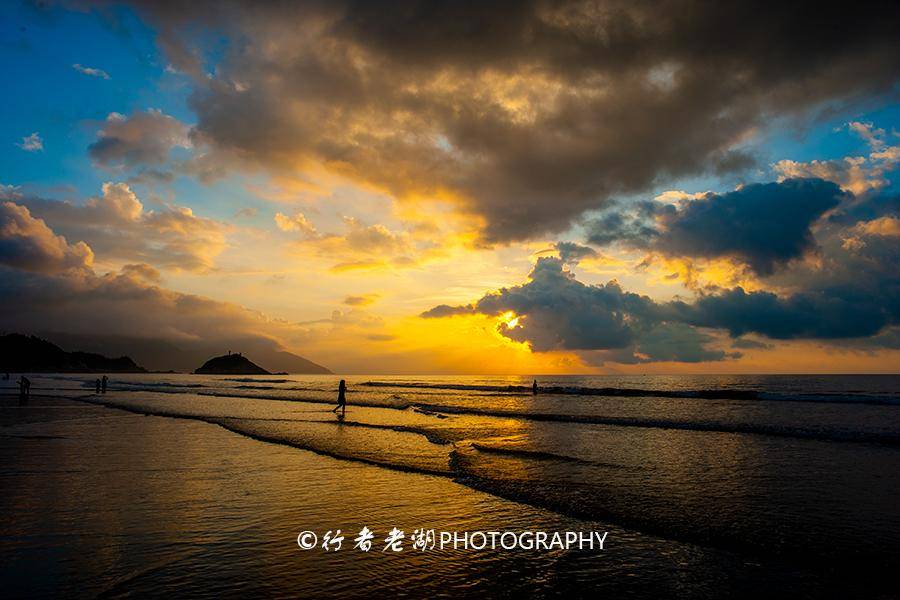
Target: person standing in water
(103, 383)
(24, 389)
(534, 387)
(98, 385)
(342, 400)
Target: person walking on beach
(534, 387)
(103, 383)
(24, 388)
(98, 385)
(342, 400)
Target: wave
(441, 411)
(572, 497)
(529, 454)
(255, 380)
(127, 385)
(574, 390)
(241, 426)
(705, 394)
(889, 438)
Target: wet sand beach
(100, 501)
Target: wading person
(24, 389)
(103, 383)
(98, 385)
(534, 387)
(342, 400)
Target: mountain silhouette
(31, 354)
(183, 355)
(231, 364)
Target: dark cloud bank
(529, 113)
(762, 225)
(851, 294)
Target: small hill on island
(230, 364)
(30, 354)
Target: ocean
(706, 485)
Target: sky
(458, 187)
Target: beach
(155, 493)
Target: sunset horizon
(332, 215)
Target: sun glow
(510, 319)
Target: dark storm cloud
(855, 293)
(572, 253)
(563, 313)
(762, 225)
(852, 294)
(841, 312)
(604, 322)
(633, 225)
(528, 113)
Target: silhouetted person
(342, 400)
(534, 387)
(24, 389)
(98, 385)
(103, 383)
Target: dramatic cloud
(141, 139)
(555, 311)
(27, 243)
(523, 113)
(117, 226)
(31, 143)
(91, 71)
(834, 313)
(851, 293)
(761, 225)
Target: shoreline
(117, 501)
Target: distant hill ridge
(29, 354)
(231, 364)
(158, 354)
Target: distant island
(30, 354)
(231, 364)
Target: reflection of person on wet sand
(342, 400)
